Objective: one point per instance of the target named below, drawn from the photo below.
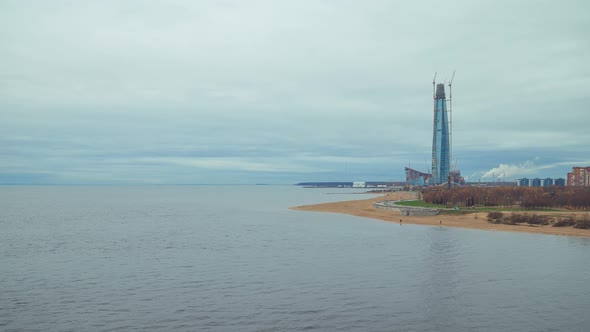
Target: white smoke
(512, 170)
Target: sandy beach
(364, 208)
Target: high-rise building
(524, 182)
(579, 177)
(441, 145)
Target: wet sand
(364, 208)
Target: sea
(235, 258)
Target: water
(234, 258)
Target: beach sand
(364, 208)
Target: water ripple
(153, 259)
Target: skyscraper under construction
(441, 140)
(442, 143)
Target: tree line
(526, 197)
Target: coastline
(364, 208)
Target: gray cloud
(233, 91)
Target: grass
(420, 203)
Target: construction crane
(451, 119)
(433, 86)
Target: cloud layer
(289, 91)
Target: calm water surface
(203, 258)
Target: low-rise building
(416, 178)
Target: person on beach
(400, 221)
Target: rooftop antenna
(451, 118)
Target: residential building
(579, 177)
(524, 182)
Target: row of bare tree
(527, 197)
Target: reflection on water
(235, 258)
(441, 276)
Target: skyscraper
(441, 158)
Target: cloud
(215, 87)
(224, 164)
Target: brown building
(579, 177)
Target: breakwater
(406, 210)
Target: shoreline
(364, 208)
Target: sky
(280, 92)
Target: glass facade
(416, 178)
(441, 165)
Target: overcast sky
(119, 92)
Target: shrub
(495, 216)
(508, 221)
(533, 219)
(566, 222)
(536, 219)
(584, 223)
(517, 218)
